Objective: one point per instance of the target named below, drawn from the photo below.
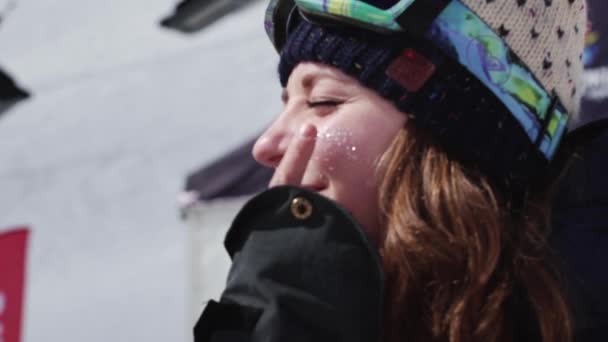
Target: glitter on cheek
(336, 142)
(351, 153)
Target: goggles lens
(359, 11)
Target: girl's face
(329, 139)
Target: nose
(270, 147)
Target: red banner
(13, 247)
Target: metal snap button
(301, 208)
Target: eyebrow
(308, 82)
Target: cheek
(337, 146)
(344, 156)
(347, 161)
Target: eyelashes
(323, 103)
(323, 107)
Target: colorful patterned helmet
(495, 81)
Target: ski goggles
(455, 30)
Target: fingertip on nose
(308, 131)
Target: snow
(122, 111)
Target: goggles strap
(418, 18)
(546, 120)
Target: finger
(293, 165)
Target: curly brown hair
(460, 265)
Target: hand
(293, 164)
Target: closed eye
(323, 103)
(324, 107)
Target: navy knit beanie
(438, 94)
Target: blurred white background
(121, 111)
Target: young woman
(412, 175)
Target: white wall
(121, 111)
(208, 223)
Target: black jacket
(580, 231)
(303, 270)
